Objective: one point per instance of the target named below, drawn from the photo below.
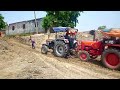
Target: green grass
(23, 34)
(10, 36)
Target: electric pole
(35, 23)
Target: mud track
(22, 62)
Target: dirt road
(19, 61)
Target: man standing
(33, 42)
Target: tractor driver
(73, 39)
(68, 36)
(71, 36)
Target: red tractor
(108, 49)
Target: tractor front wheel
(84, 55)
(111, 59)
(44, 49)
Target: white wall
(29, 27)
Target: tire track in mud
(67, 70)
(61, 69)
(98, 69)
(78, 71)
(40, 58)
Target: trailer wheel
(84, 55)
(111, 59)
(44, 49)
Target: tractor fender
(64, 40)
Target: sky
(88, 20)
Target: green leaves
(2, 23)
(60, 18)
(101, 27)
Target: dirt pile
(4, 46)
(39, 39)
(84, 36)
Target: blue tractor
(60, 46)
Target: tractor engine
(87, 48)
(92, 47)
(91, 50)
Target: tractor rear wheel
(60, 49)
(84, 55)
(111, 59)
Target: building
(25, 27)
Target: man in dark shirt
(71, 43)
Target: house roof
(26, 21)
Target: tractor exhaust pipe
(92, 32)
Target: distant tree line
(2, 22)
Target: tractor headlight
(106, 47)
(109, 42)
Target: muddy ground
(19, 61)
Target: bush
(25, 34)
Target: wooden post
(8, 31)
(35, 23)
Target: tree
(99, 34)
(60, 18)
(101, 27)
(2, 23)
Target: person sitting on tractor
(71, 38)
(68, 37)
